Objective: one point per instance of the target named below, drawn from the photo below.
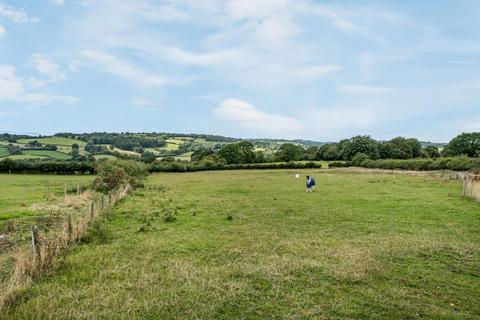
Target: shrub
(112, 175)
(359, 158)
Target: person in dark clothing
(310, 184)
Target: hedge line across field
(85, 167)
(455, 164)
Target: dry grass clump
(33, 262)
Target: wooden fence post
(64, 189)
(36, 245)
(69, 227)
(23, 197)
(109, 198)
(102, 202)
(78, 189)
(92, 210)
(465, 186)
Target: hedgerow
(455, 164)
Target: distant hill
(130, 144)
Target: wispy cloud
(249, 117)
(15, 15)
(47, 67)
(14, 88)
(108, 63)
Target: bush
(359, 158)
(339, 164)
(111, 175)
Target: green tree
(465, 144)
(290, 152)
(238, 153)
(432, 152)
(360, 144)
(148, 157)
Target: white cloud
(14, 15)
(14, 88)
(124, 69)
(364, 89)
(58, 2)
(47, 67)
(249, 117)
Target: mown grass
(48, 153)
(55, 140)
(3, 152)
(254, 245)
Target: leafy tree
(328, 152)
(52, 147)
(311, 153)
(415, 146)
(238, 153)
(14, 150)
(259, 157)
(290, 152)
(360, 144)
(397, 148)
(148, 157)
(432, 152)
(467, 144)
(75, 146)
(34, 144)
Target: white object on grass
(297, 176)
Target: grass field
(25, 157)
(55, 140)
(48, 153)
(36, 188)
(104, 156)
(254, 245)
(3, 152)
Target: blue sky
(322, 70)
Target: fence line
(40, 258)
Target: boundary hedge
(454, 164)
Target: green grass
(104, 156)
(254, 245)
(3, 152)
(48, 153)
(26, 157)
(36, 187)
(55, 140)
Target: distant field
(152, 150)
(104, 156)
(48, 153)
(254, 245)
(26, 157)
(132, 153)
(55, 140)
(3, 152)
